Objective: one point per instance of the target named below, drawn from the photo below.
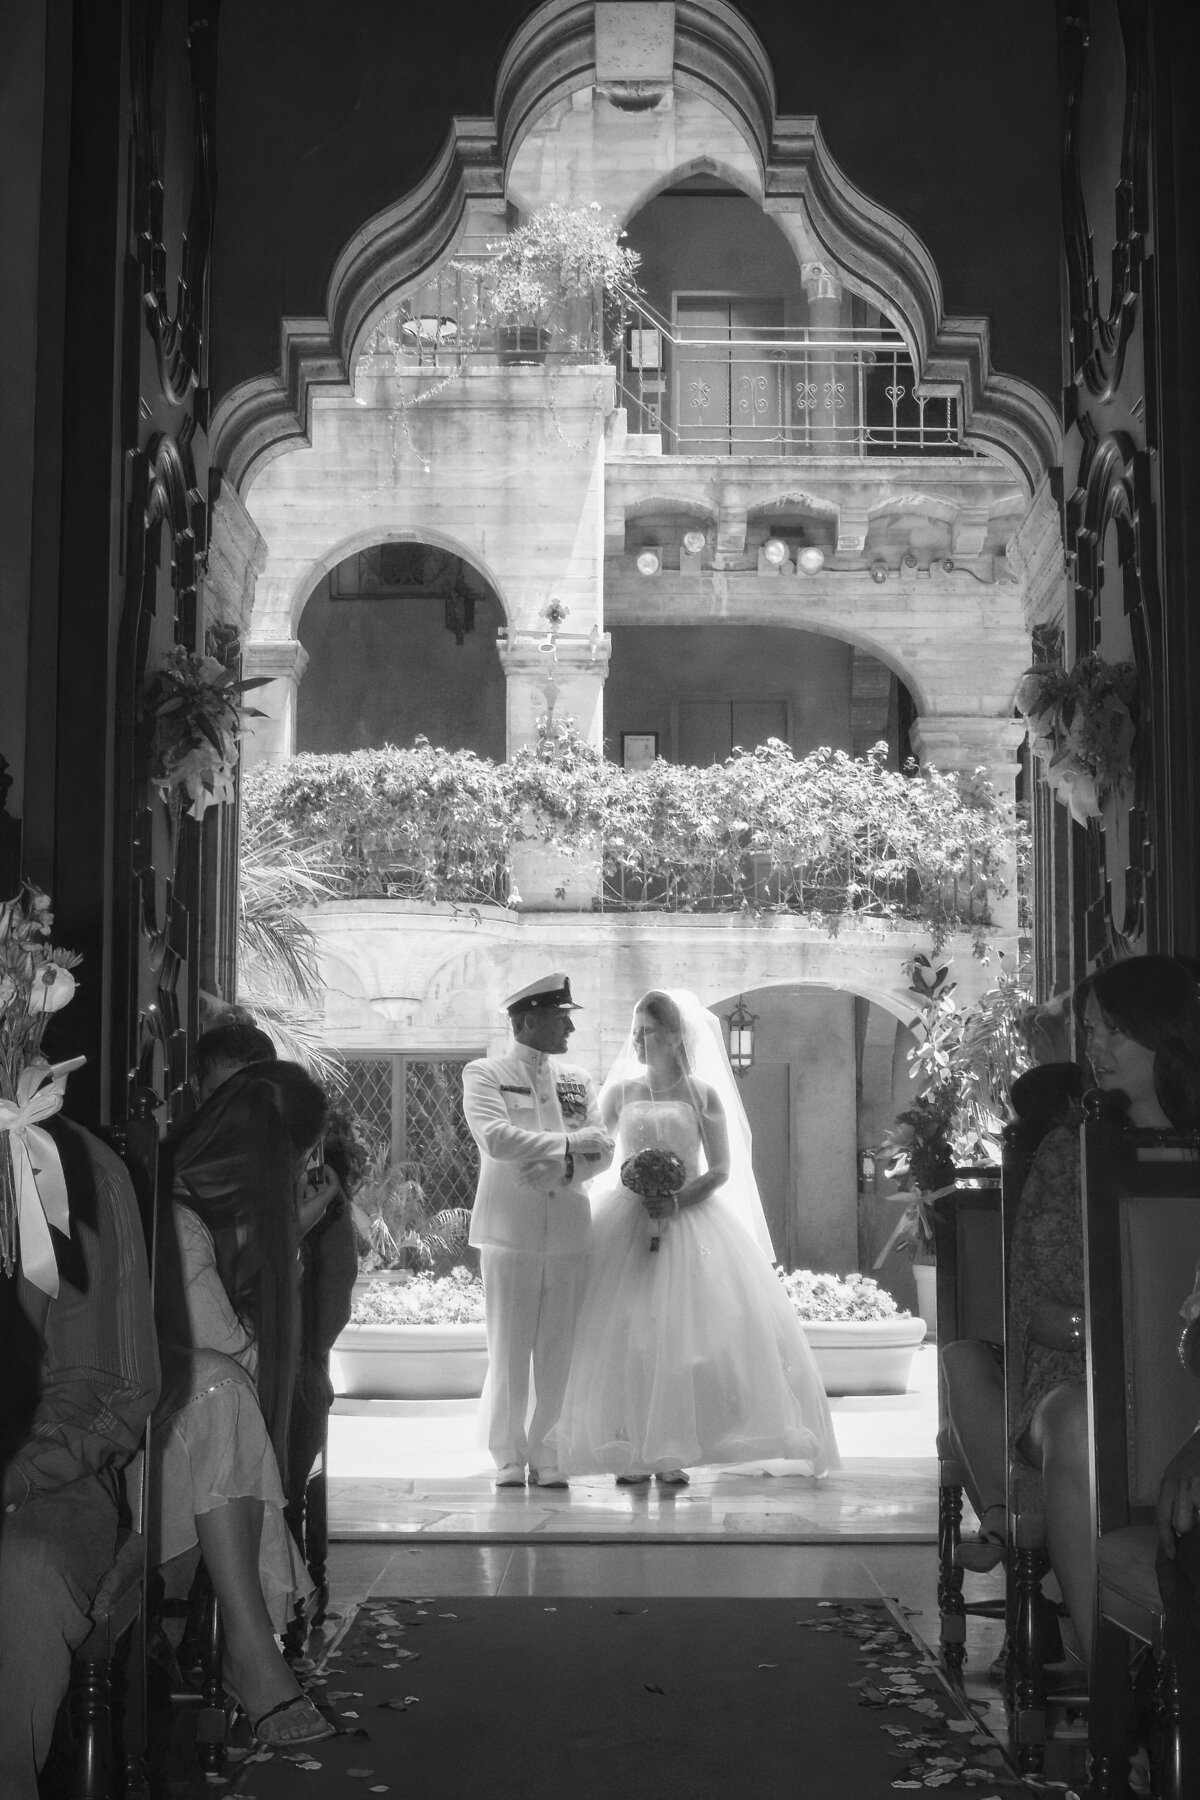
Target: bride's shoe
(673, 1478)
(632, 1480)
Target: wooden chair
(968, 1233)
(1141, 1241)
(117, 1630)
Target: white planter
(864, 1356)
(409, 1362)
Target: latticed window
(414, 1103)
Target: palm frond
(297, 1037)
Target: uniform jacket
(521, 1106)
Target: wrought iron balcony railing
(756, 391)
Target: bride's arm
(714, 1139)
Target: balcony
(777, 391)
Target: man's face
(545, 1031)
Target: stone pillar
(284, 663)
(966, 744)
(237, 555)
(825, 1134)
(561, 673)
(828, 392)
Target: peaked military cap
(552, 993)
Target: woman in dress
(228, 1307)
(687, 1350)
(1139, 1022)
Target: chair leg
(316, 1538)
(1111, 1733)
(93, 1764)
(1167, 1754)
(953, 1627)
(210, 1725)
(1027, 1710)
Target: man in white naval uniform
(539, 1133)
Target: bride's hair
(665, 1012)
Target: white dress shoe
(547, 1478)
(511, 1475)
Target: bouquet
(35, 981)
(651, 1174)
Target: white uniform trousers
(531, 1303)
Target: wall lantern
(693, 542)
(741, 1023)
(879, 570)
(647, 562)
(811, 560)
(775, 551)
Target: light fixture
(811, 560)
(879, 570)
(775, 551)
(647, 562)
(693, 542)
(741, 1022)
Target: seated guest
(328, 1269)
(228, 1308)
(227, 1048)
(1140, 1024)
(80, 1375)
(1042, 1098)
(1179, 1584)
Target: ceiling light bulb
(775, 551)
(647, 562)
(811, 559)
(693, 542)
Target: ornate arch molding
(1098, 339)
(1113, 490)
(717, 56)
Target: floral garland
(193, 710)
(1082, 729)
(35, 981)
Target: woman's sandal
(312, 1724)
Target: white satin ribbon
(41, 1188)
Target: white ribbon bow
(41, 1188)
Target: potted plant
(863, 1343)
(418, 1337)
(1082, 729)
(546, 278)
(969, 1061)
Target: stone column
(950, 743)
(284, 663)
(562, 674)
(829, 388)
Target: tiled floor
(418, 1468)
(413, 1511)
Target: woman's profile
(687, 1350)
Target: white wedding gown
(690, 1354)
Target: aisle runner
(531, 1699)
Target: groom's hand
(591, 1143)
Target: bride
(687, 1349)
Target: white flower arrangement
(838, 1298)
(1082, 729)
(453, 1299)
(192, 709)
(35, 982)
